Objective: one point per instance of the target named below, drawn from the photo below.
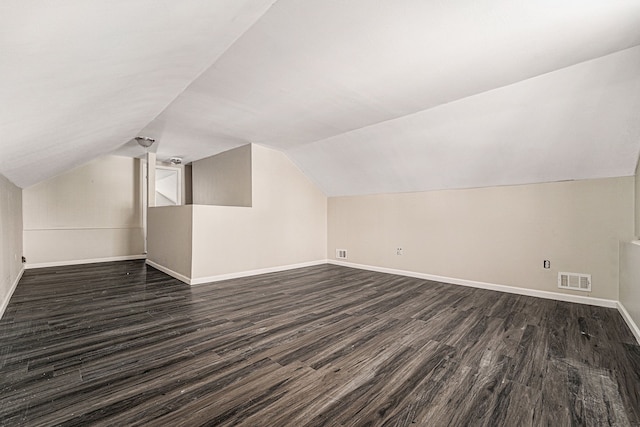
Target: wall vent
(574, 281)
(341, 253)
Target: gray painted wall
(223, 179)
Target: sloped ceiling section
(79, 78)
(579, 122)
(366, 97)
(410, 95)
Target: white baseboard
(84, 261)
(218, 278)
(483, 285)
(169, 271)
(7, 297)
(629, 320)
(228, 276)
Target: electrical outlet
(398, 251)
(546, 263)
(24, 260)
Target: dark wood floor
(124, 344)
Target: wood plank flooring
(124, 344)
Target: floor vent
(574, 281)
(341, 253)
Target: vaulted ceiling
(365, 96)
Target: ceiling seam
(208, 67)
(300, 146)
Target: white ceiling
(366, 97)
(79, 78)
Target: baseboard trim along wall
(630, 323)
(84, 261)
(483, 285)
(220, 277)
(169, 271)
(5, 303)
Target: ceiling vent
(574, 281)
(341, 253)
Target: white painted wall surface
(10, 239)
(91, 212)
(498, 235)
(630, 281)
(637, 197)
(287, 224)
